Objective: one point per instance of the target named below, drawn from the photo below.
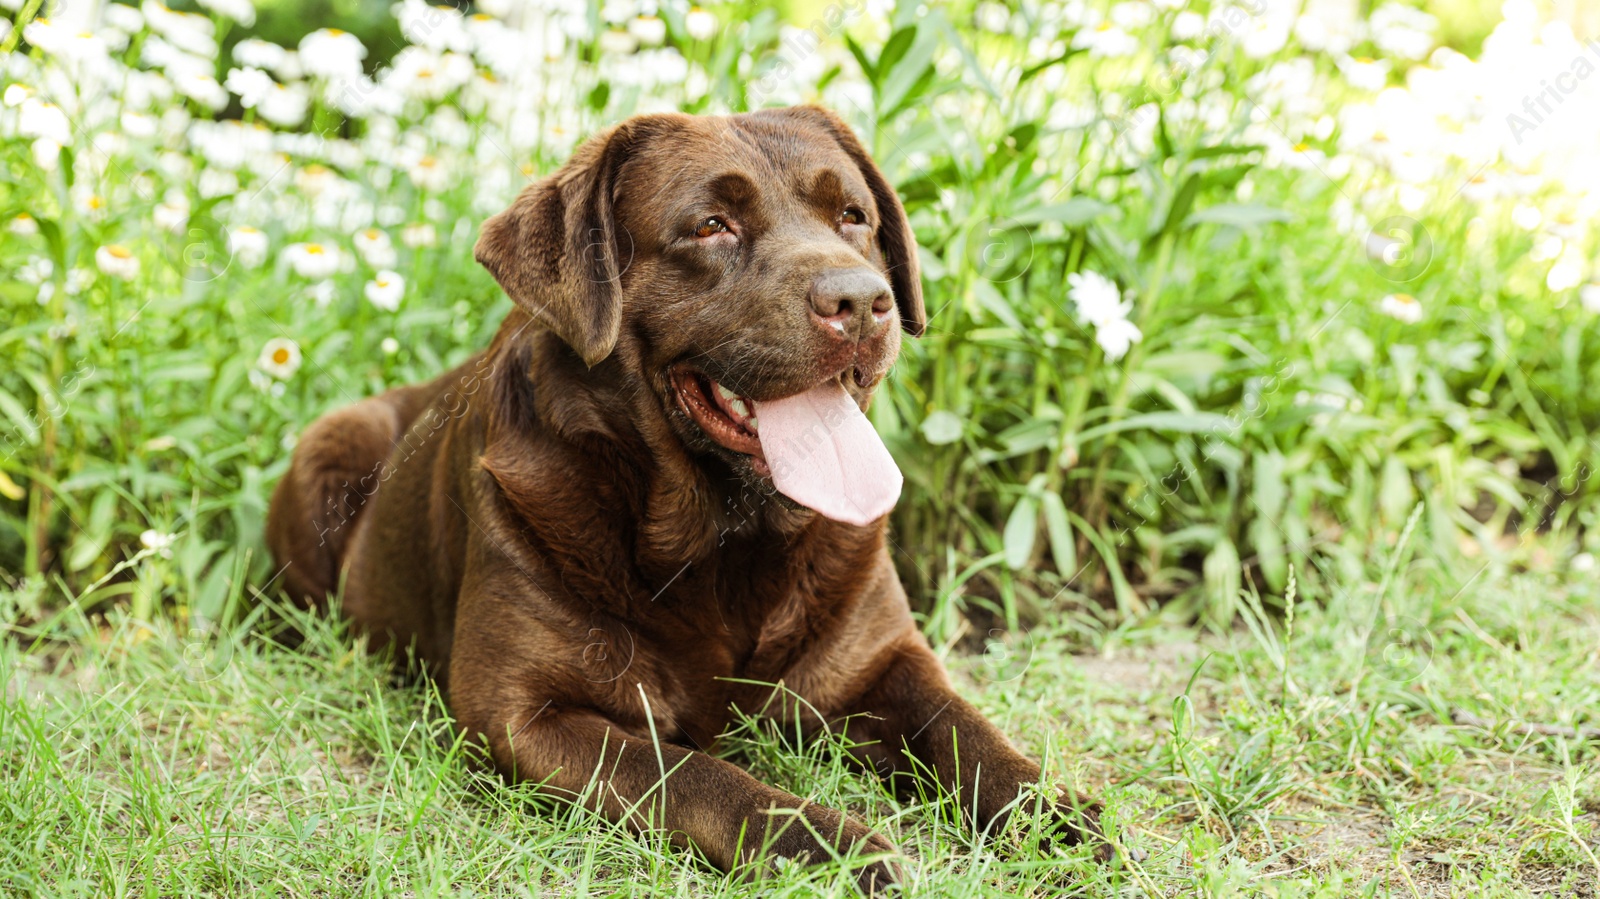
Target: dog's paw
(882, 875)
(1076, 821)
(825, 834)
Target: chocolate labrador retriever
(656, 496)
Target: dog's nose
(842, 294)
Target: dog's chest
(724, 644)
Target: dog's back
(339, 464)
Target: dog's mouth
(817, 447)
(726, 418)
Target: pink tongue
(824, 455)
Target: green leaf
(23, 424)
(990, 299)
(1182, 202)
(1223, 576)
(1268, 540)
(1062, 547)
(1074, 213)
(942, 427)
(867, 68)
(1239, 215)
(96, 533)
(894, 49)
(1395, 494)
(1225, 150)
(193, 371)
(1181, 422)
(1269, 487)
(1030, 72)
(909, 80)
(1021, 529)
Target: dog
(655, 499)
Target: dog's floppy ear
(895, 240)
(558, 253)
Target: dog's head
(723, 261)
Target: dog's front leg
(738, 822)
(911, 722)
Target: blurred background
(1223, 296)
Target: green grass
(1312, 760)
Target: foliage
(1206, 304)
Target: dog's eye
(853, 216)
(711, 227)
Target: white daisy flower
(156, 540)
(616, 42)
(429, 175)
(420, 73)
(289, 68)
(375, 248)
(89, 203)
(699, 23)
(315, 179)
(1527, 216)
(42, 120)
(36, 270)
(1132, 15)
(1589, 295)
(1188, 25)
(250, 84)
(1364, 72)
(117, 261)
(280, 358)
(78, 280)
(385, 290)
(1106, 40)
(24, 224)
(1402, 30)
(241, 11)
(257, 53)
(139, 125)
(1301, 156)
(1100, 304)
(214, 183)
(322, 293)
(332, 53)
(313, 260)
(419, 234)
(436, 27)
(46, 35)
(248, 245)
(1116, 336)
(122, 17)
(171, 214)
(1401, 307)
(46, 154)
(284, 106)
(201, 88)
(1564, 275)
(1097, 297)
(650, 30)
(190, 32)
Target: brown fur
(549, 533)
